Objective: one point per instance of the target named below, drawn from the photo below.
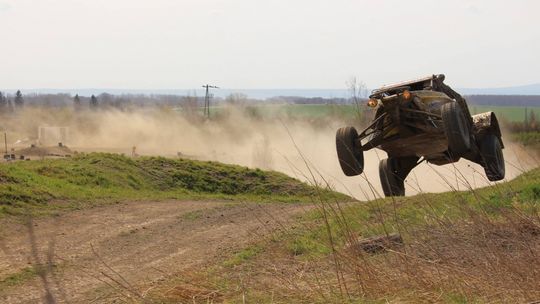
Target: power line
(207, 97)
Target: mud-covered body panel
(486, 123)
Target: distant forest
(10, 102)
(505, 100)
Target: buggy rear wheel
(493, 157)
(456, 129)
(391, 182)
(349, 151)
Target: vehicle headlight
(372, 103)
(407, 95)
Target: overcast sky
(158, 44)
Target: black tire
(493, 157)
(455, 128)
(391, 182)
(349, 151)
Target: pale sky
(165, 44)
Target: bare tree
(237, 99)
(358, 92)
(189, 105)
(106, 100)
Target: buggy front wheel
(349, 151)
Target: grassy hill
(477, 246)
(96, 178)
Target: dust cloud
(300, 148)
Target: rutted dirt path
(133, 244)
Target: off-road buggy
(421, 120)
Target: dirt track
(132, 243)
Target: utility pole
(5, 141)
(207, 97)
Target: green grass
(22, 276)
(314, 111)
(509, 113)
(243, 255)
(348, 112)
(527, 138)
(512, 114)
(379, 216)
(50, 185)
(193, 215)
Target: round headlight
(407, 95)
(372, 103)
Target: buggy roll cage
(429, 83)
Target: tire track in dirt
(93, 251)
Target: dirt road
(80, 256)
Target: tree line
(505, 100)
(11, 103)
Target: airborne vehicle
(421, 120)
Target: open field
(349, 112)
(292, 111)
(512, 114)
